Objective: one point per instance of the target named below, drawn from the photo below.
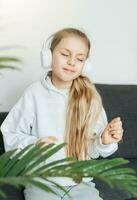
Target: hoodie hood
(47, 83)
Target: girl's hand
(113, 132)
(47, 140)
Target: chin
(70, 78)
(67, 79)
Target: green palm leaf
(2, 194)
(4, 160)
(5, 60)
(9, 59)
(30, 167)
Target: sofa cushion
(121, 100)
(12, 193)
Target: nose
(71, 61)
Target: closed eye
(80, 60)
(64, 54)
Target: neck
(60, 84)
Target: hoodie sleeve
(16, 128)
(97, 148)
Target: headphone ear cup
(46, 59)
(86, 68)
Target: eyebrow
(70, 51)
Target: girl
(64, 106)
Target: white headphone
(46, 58)
(46, 55)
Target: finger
(42, 141)
(114, 140)
(117, 137)
(47, 140)
(116, 119)
(118, 123)
(115, 128)
(115, 123)
(116, 132)
(53, 138)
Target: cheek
(81, 66)
(58, 61)
(54, 60)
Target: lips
(69, 70)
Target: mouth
(68, 70)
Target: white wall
(111, 25)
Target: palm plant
(5, 62)
(30, 167)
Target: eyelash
(64, 54)
(80, 60)
(68, 55)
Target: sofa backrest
(121, 100)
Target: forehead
(74, 44)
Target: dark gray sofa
(121, 100)
(118, 100)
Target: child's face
(68, 58)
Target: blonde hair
(84, 105)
